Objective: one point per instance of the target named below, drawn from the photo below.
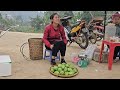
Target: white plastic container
(5, 65)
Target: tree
(68, 13)
(98, 13)
(46, 17)
(19, 19)
(1, 16)
(86, 16)
(76, 17)
(4, 21)
(37, 23)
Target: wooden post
(105, 22)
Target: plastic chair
(50, 55)
(112, 46)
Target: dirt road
(39, 69)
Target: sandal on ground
(53, 62)
(63, 61)
(115, 60)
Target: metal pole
(105, 22)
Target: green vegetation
(37, 24)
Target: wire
(5, 32)
(22, 48)
(8, 30)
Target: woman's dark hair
(52, 16)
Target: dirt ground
(39, 69)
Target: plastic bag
(74, 58)
(81, 54)
(90, 50)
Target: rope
(5, 32)
(21, 50)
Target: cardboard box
(5, 65)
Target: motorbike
(91, 35)
(100, 32)
(76, 33)
(97, 27)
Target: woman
(54, 38)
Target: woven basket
(63, 76)
(35, 48)
(104, 57)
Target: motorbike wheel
(99, 38)
(93, 38)
(82, 40)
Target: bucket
(82, 63)
(35, 48)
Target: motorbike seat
(75, 25)
(66, 18)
